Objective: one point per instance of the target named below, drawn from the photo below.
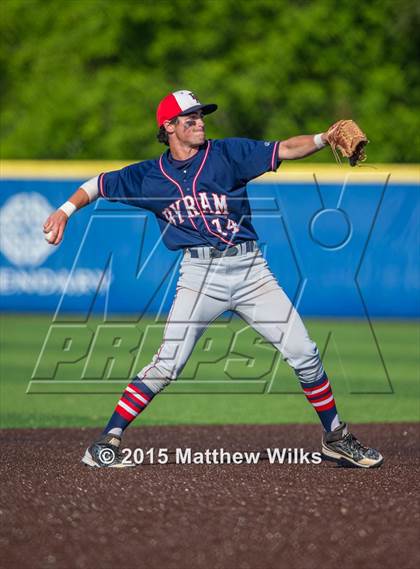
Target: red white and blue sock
(320, 396)
(135, 398)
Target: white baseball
(48, 236)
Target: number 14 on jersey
(231, 226)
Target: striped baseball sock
(320, 396)
(135, 398)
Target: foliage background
(81, 79)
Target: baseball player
(197, 191)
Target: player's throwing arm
(55, 224)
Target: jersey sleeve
(125, 185)
(251, 158)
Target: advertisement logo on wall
(23, 245)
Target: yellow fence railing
(296, 171)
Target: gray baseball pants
(243, 284)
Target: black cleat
(342, 446)
(105, 453)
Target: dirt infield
(56, 513)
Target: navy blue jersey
(198, 202)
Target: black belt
(214, 253)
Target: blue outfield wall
(336, 250)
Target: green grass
(232, 377)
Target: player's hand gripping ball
(349, 139)
(48, 236)
(54, 227)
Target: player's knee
(300, 350)
(305, 360)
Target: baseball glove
(349, 139)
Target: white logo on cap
(22, 240)
(186, 99)
(194, 97)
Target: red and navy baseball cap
(180, 103)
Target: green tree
(81, 79)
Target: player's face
(190, 129)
